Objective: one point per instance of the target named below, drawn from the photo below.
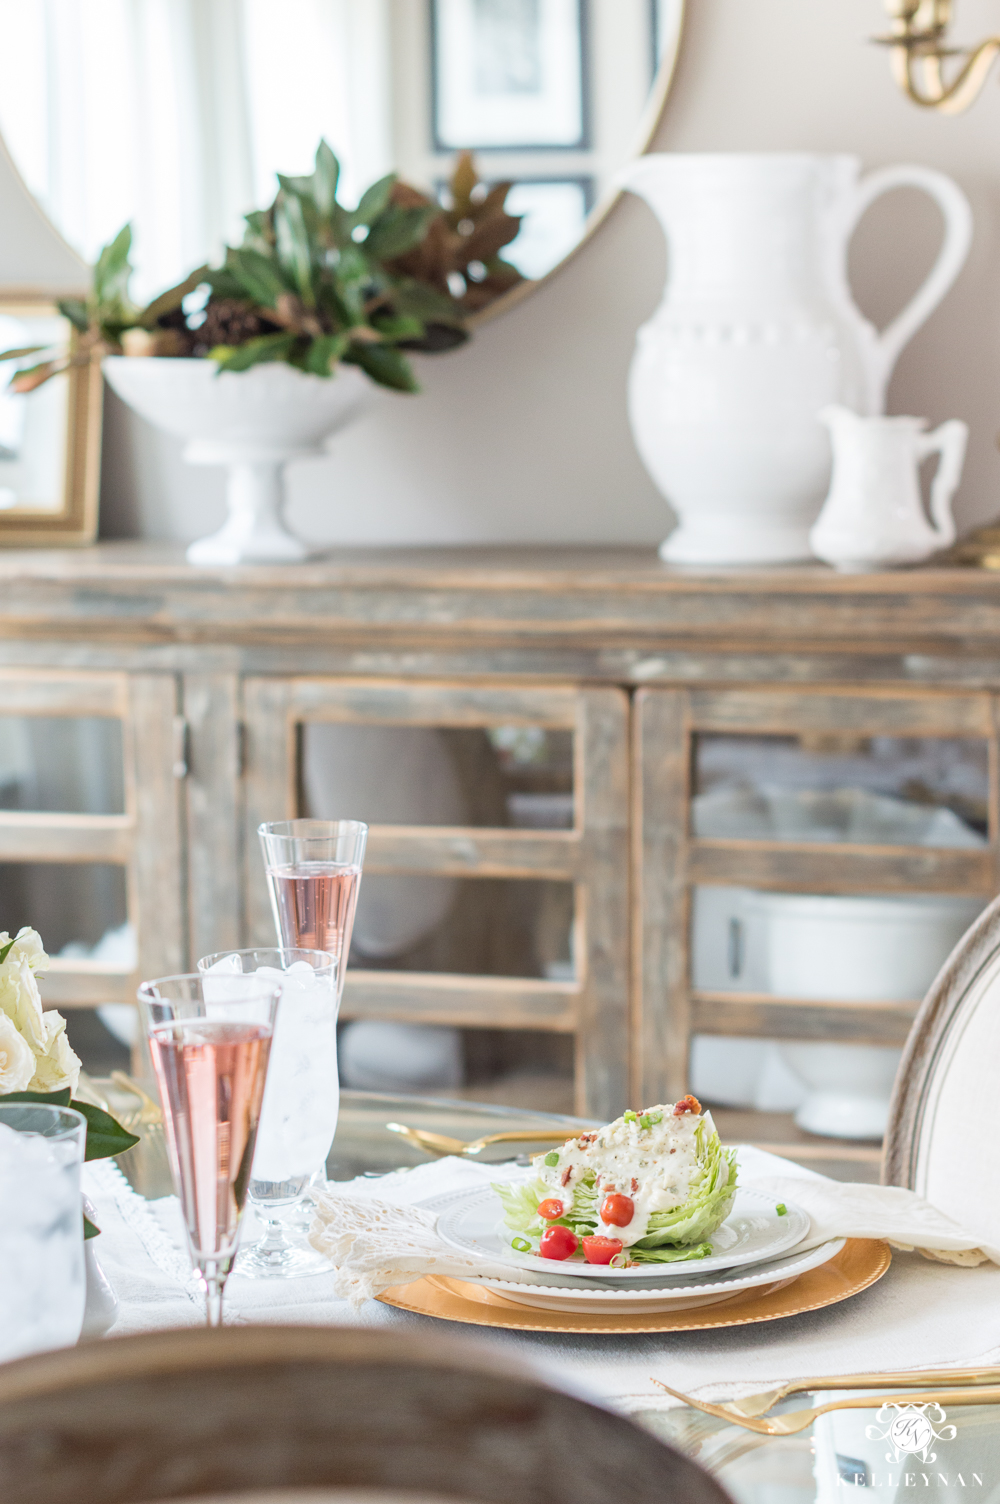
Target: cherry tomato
(601, 1250)
(558, 1243)
(618, 1210)
(551, 1208)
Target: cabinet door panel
(497, 740)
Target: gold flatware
(441, 1143)
(759, 1404)
(149, 1114)
(801, 1420)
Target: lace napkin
(382, 1238)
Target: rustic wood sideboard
(211, 673)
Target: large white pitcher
(756, 333)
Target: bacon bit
(635, 1185)
(611, 1190)
(673, 1151)
(566, 1174)
(586, 1138)
(686, 1104)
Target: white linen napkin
(383, 1239)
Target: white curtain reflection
(175, 114)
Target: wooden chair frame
(239, 1411)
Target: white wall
(521, 436)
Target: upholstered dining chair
(262, 1413)
(944, 1119)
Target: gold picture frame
(68, 407)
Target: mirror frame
(75, 522)
(649, 123)
(942, 1013)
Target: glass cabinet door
(808, 861)
(494, 899)
(89, 841)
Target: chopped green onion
(782, 1209)
(630, 1117)
(520, 1245)
(646, 1121)
(553, 1158)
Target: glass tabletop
(895, 1453)
(363, 1144)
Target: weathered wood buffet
(213, 674)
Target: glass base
(287, 1261)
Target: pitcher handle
(949, 442)
(951, 258)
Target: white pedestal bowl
(253, 422)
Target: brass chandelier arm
(917, 48)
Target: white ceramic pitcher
(756, 333)
(874, 515)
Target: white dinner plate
(754, 1232)
(770, 1276)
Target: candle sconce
(920, 56)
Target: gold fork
(766, 1399)
(149, 1114)
(801, 1420)
(441, 1143)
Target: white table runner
(920, 1314)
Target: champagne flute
(210, 1049)
(313, 875)
(298, 1117)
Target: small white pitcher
(874, 515)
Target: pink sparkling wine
(314, 905)
(211, 1080)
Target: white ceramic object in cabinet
(756, 333)
(253, 422)
(874, 514)
(847, 949)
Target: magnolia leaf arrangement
(313, 284)
(37, 1063)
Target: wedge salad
(649, 1188)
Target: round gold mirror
(177, 117)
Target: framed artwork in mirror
(944, 1121)
(509, 75)
(50, 438)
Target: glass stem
(214, 1279)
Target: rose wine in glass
(210, 1050)
(314, 873)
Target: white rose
(57, 1065)
(19, 996)
(17, 1063)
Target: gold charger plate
(859, 1264)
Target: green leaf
(254, 352)
(325, 178)
(293, 247)
(172, 298)
(375, 200)
(47, 1098)
(22, 352)
(75, 310)
(257, 275)
(105, 1135)
(398, 327)
(384, 365)
(6, 950)
(427, 303)
(112, 268)
(398, 231)
(324, 353)
(89, 1229)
